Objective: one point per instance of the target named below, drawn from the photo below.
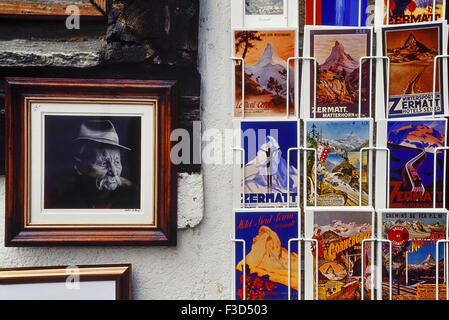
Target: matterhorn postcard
(334, 172)
(412, 50)
(412, 146)
(265, 53)
(340, 235)
(270, 170)
(338, 51)
(410, 11)
(413, 235)
(266, 258)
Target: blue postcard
(412, 145)
(266, 181)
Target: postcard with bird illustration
(335, 176)
(338, 272)
(412, 146)
(265, 54)
(412, 50)
(411, 11)
(271, 166)
(338, 52)
(414, 260)
(265, 260)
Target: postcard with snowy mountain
(413, 235)
(336, 175)
(412, 145)
(412, 50)
(266, 236)
(411, 11)
(338, 52)
(339, 235)
(265, 53)
(266, 145)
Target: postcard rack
(379, 110)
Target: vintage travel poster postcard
(412, 145)
(413, 235)
(338, 53)
(412, 50)
(412, 11)
(265, 53)
(266, 146)
(339, 235)
(266, 236)
(338, 144)
(336, 13)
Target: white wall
(199, 267)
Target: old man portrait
(94, 177)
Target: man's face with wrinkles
(107, 168)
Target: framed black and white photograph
(92, 162)
(89, 162)
(264, 7)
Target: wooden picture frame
(99, 282)
(45, 10)
(40, 215)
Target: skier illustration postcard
(339, 235)
(266, 237)
(412, 11)
(338, 53)
(338, 145)
(412, 50)
(412, 145)
(413, 236)
(266, 146)
(265, 54)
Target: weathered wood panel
(48, 8)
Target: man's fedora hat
(101, 131)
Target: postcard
(265, 53)
(338, 52)
(411, 11)
(336, 13)
(339, 235)
(266, 236)
(413, 235)
(264, 13)
(267, 183)
(412, 50)
(264, 7)
(412, 145)
(338, 144)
